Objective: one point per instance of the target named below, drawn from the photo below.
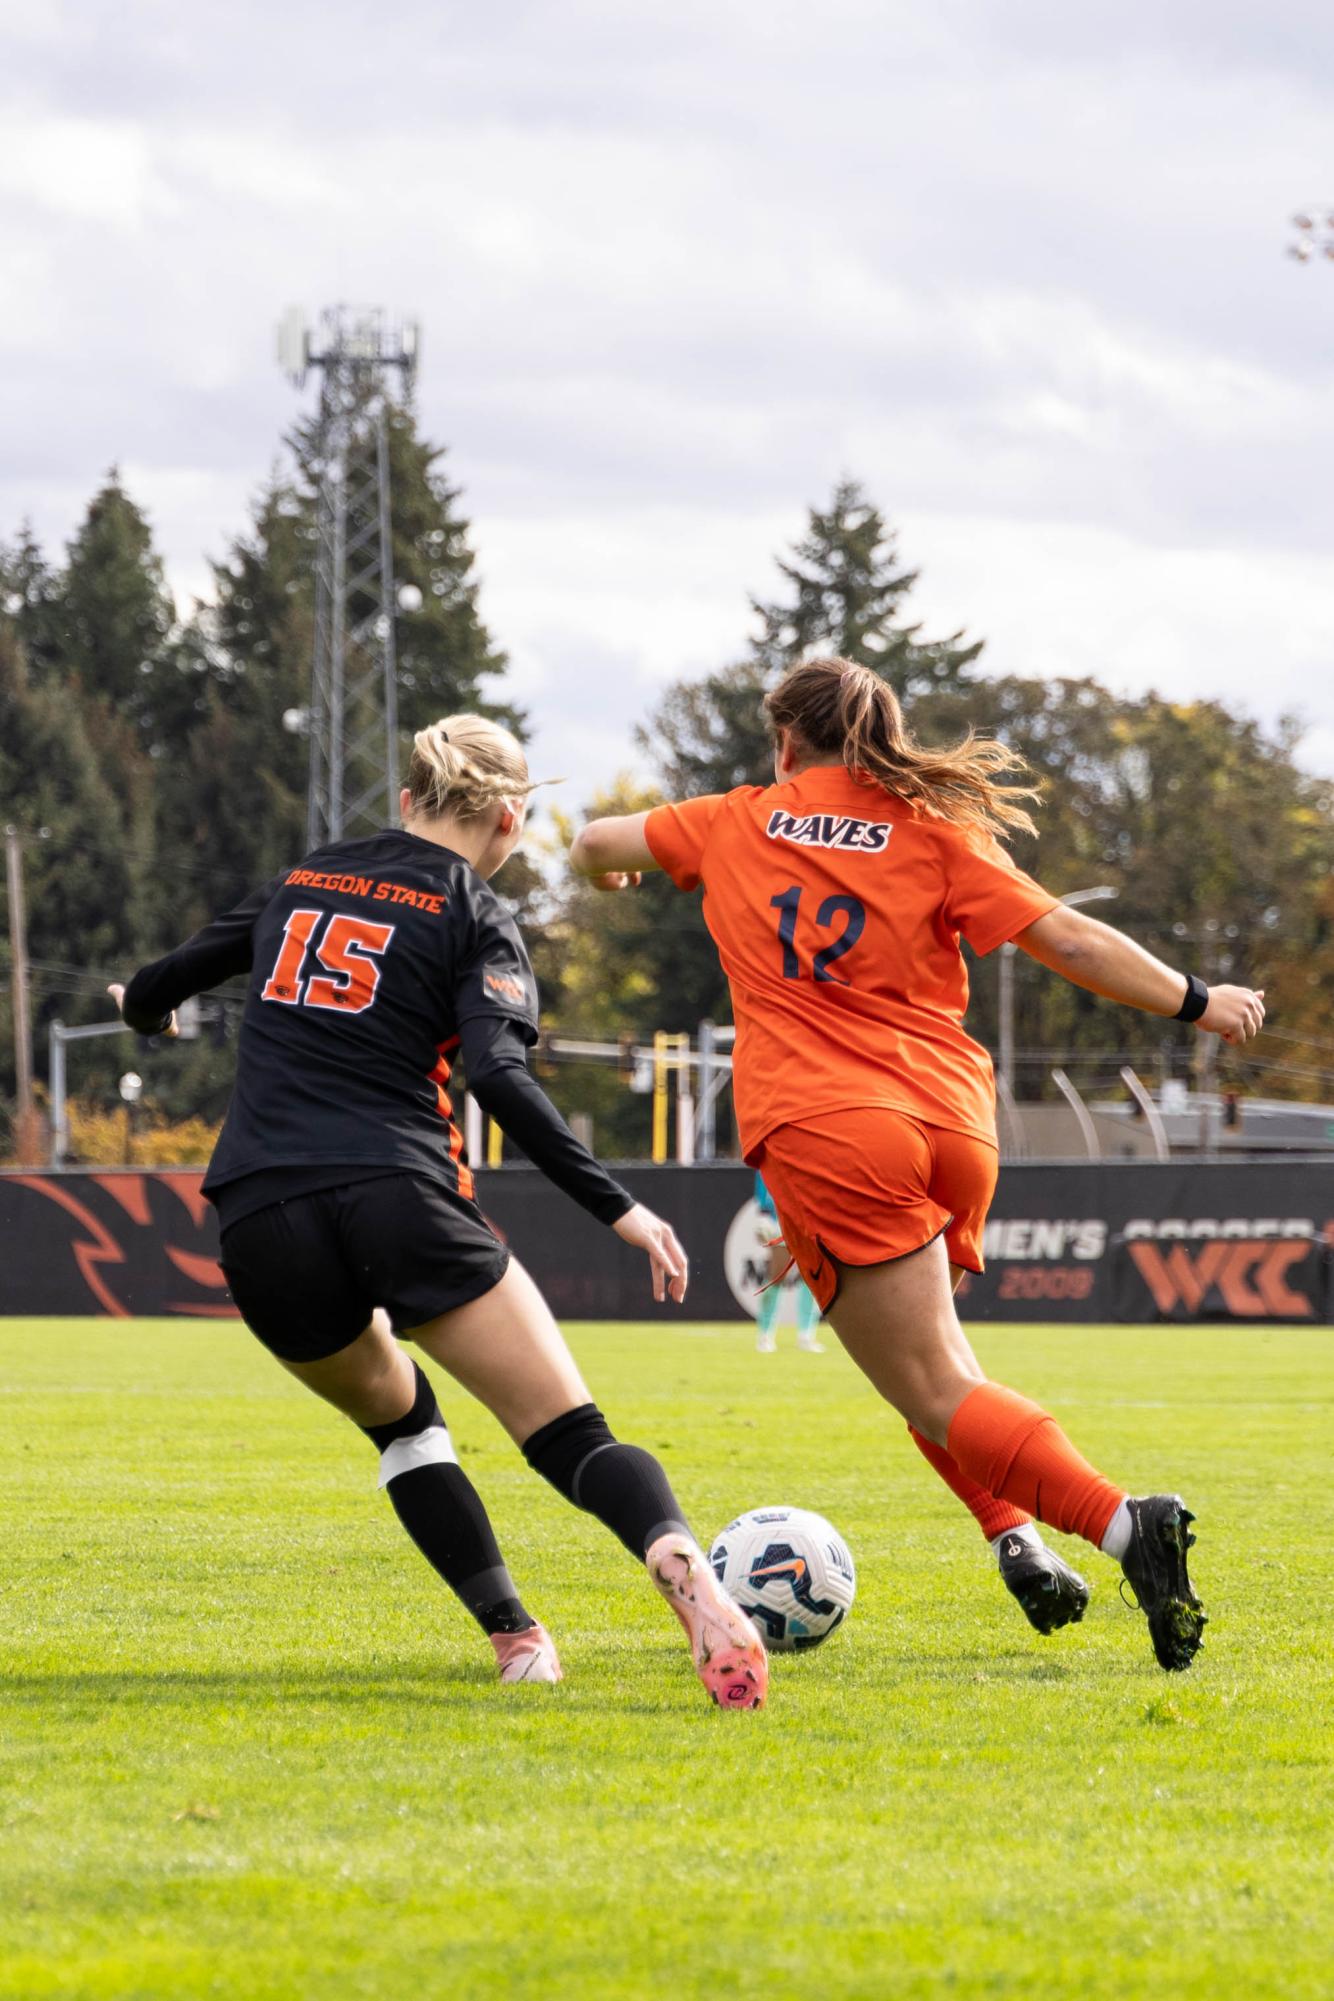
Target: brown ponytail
(840, 711)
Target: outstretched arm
(221, 950)
(613, 853)
(1096, 956)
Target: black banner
(1127, 1241)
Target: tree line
(151, 767)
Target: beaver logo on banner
(121, 1244)
(1221, 1278)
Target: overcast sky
(1018, 268)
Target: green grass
(249, 1747)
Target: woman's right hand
(1235, 1013)
(647, 1232)
(117, 992)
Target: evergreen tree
(81, 863)
(845, 595)
(445, 653)
(30, 600)
(114, 611)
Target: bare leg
(371, 1381)
(507, 1351)
(898, 1323)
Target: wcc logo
(831, 830)
(1245, 1278)
(506, 987)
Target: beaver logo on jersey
(830, 830)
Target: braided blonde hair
(461, 765)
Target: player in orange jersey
(837, 898)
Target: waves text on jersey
(830, 830)
(365, 885)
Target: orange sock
(993, 1517)
(1014, 1449)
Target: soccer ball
(790, 1571)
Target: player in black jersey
(342, 1185)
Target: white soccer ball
(790, 1571)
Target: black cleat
(1155, 1569)
(1051, 1593)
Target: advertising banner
(1123, 1241)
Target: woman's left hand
(616, 879)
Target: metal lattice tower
(353, 714)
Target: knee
(391, 1390)
(932, 1401)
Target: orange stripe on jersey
(440, 1077)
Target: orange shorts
(860, 1187)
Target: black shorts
(308, 1273)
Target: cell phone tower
(363, 357)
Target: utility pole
(18, 960)
(352, 720)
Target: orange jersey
(837, 911)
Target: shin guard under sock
(624, 1486)
(443, 1512)
(993, 1517)
(1017, 1451)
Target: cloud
(679, 267)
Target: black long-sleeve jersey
(371, 966)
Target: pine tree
(82, 861)
(845, 595)
(30, 599)
(846, 598)
(114, 610)
(445, 653)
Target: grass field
(251, 1748)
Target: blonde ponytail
(461, 765)
(835, 708)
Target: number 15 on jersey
(348, 952)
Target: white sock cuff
(1116, 1540)
(1027, 1532)
(432, 1447)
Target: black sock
(443, 1513)
(622, 1485)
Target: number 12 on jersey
(348, 951)
(788, 906)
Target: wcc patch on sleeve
(830, 830)
(505, 986)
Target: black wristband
(1196, 1001)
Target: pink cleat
(529, 1656)
(728, 1652)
